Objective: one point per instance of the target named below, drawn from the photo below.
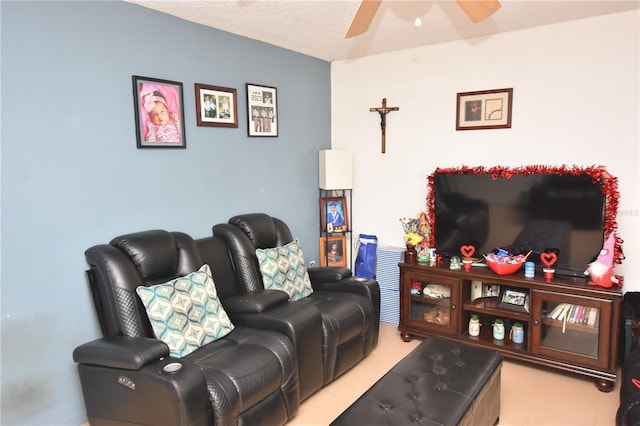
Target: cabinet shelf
(431, 300)
(586, 343)
(486, 339)
(489, 306)
(570, 326)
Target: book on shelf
(575, 314)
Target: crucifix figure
(383, 120)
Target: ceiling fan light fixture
(476, 10)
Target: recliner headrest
(259, 227)
(154, 252)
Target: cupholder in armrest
(172, 368)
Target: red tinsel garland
(597, 173)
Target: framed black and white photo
(262, 111)
(159, 113)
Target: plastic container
(529, 270)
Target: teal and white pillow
(283, 268)
(186, 313)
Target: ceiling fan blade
(363, 17)
(479, 10)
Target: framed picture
(262, 110)
(333, 214)
(488, 109)
(490, 290)
(333, 251)
(516, 299)
(216, 106)
(159, 113)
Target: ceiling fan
(475, 10)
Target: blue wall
(72, 176)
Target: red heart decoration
(467, 251)
(548, 259)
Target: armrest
(365, 286)
(127, 353)
(328, 273)
(255, 302)
(116, 391)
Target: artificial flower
(413, 238)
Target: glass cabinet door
(571, 328)
(431, 302)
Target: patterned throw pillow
(283, 268)
(186, 313)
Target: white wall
(576, 101)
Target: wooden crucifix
(383, 120)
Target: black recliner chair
(347, 309)
(247, 377)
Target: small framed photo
(333, 251)
(514, 299)
(333, 214)
(159, 113)
(262, 111)
(487, 109)
(490, 290)
(216, 106)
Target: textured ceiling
(317, 28)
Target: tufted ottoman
(440, 382)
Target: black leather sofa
(344, 310)
(257, 374)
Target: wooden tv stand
(584, 341)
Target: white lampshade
(335, 169)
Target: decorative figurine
(601, 270)
(549, 259)
(467, 252)
(454, 263)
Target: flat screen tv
(535, 209)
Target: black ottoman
(441, 382)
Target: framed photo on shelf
(216, 106)
(159, 113)
(487, 109)
(333, 214)
(262, 110)
(515, 299)
(333, 251)
(490, 290)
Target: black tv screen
(523, 213)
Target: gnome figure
(601, 270)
